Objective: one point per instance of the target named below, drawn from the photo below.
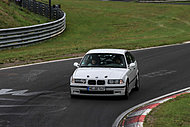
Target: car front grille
(92, 82)
(98, 82)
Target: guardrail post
(50, 9)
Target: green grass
(97, 24)
(15, 16)
(174, 113)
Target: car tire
(72, 96)
(127, 91)
(137, 83)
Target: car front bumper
(108, 91)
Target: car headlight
(115, 81)
(82, 81)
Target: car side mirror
(132, 65)
(76, 64)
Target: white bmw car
(105, 72)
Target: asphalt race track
(38, 95)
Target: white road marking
(162, 101)
(58, 110)
(141, 112)
(10, 99)
(157, 47)
(47, 62)
(187, 42)
(12, 106)
(4, 91)
(158, 73)
(29, 113)
(21, 92)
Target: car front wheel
(137, 83)
(127, 91)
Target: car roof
(114, 51)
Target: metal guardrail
(14, 37)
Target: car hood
(99, 73)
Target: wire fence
(40, 8)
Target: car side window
(132, 57)
(129, 57)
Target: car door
(130, 70)
(133, 69)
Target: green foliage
(12, 15)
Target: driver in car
(93, 62)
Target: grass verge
(12, 15)
(174, 113)
(106, 24)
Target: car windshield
(103, 60)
